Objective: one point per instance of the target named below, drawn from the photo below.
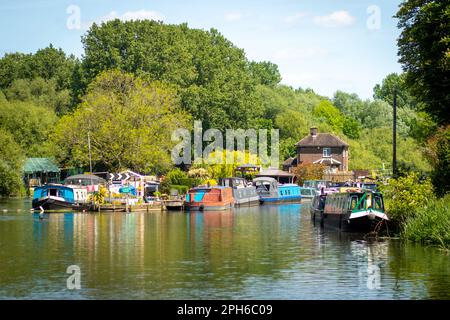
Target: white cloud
(127, 16)
(295, 17)
(233, 16)
(335, 19)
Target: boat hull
(52, 204)
(345, 222)
(208, 207)
(248, 202)
(280, 200)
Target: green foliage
(351, 128)
(130, 123)
(48, 63)
(331, 114)
(176, 176)
(431, 224)
(29, 124)
(308, 171)
(391, 83)
(405, 195)
(181, 189)
(212, 76)
(11, 162)
(439, 153)
(99, 196)
(218, 167)
(292, 124)
(40, 92)
(265, 73)
(424, 50)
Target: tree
(351, 128)
(308, 171)
(11, 162)
(391, 83)
(211, 75)
(330, 113)
(424, 50)
(30, 125)
(130, 122)
(265, 73)
(439, 154)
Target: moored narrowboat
(270, 191)
(308, 193)
(209, 198)
(349, 211)
(244, 193)
(57, 197)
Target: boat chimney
(313, 131)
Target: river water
(266, 252)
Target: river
(266, 252)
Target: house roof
(33, 165)
(274, 173)
(321, 140)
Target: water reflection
(272, 252)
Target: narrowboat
(209, 198)
(349, 211)
(270, 191)
(244, 193)
(308, 193)
(57, 197)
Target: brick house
(320, 148)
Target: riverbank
(415, 211)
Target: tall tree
(424, 49)
(130, 122)
(211, 74)
(11, 162)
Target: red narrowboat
(209, 198)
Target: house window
(326, 152)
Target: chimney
(313, 131)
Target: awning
(46, 165)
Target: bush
(180, 189)
(405, 195)
(307, 171)
(431, 224)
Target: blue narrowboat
(56, 197)
(271, 191)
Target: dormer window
(326, 152)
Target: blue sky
(326, 45)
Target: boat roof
(53, 185)
(264, 178)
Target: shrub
(405, 195)
(308, 172)
(431, 224)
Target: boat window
(377, 203)
(353, 202)
(53, 192)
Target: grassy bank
(430, 224)
(415, 212)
